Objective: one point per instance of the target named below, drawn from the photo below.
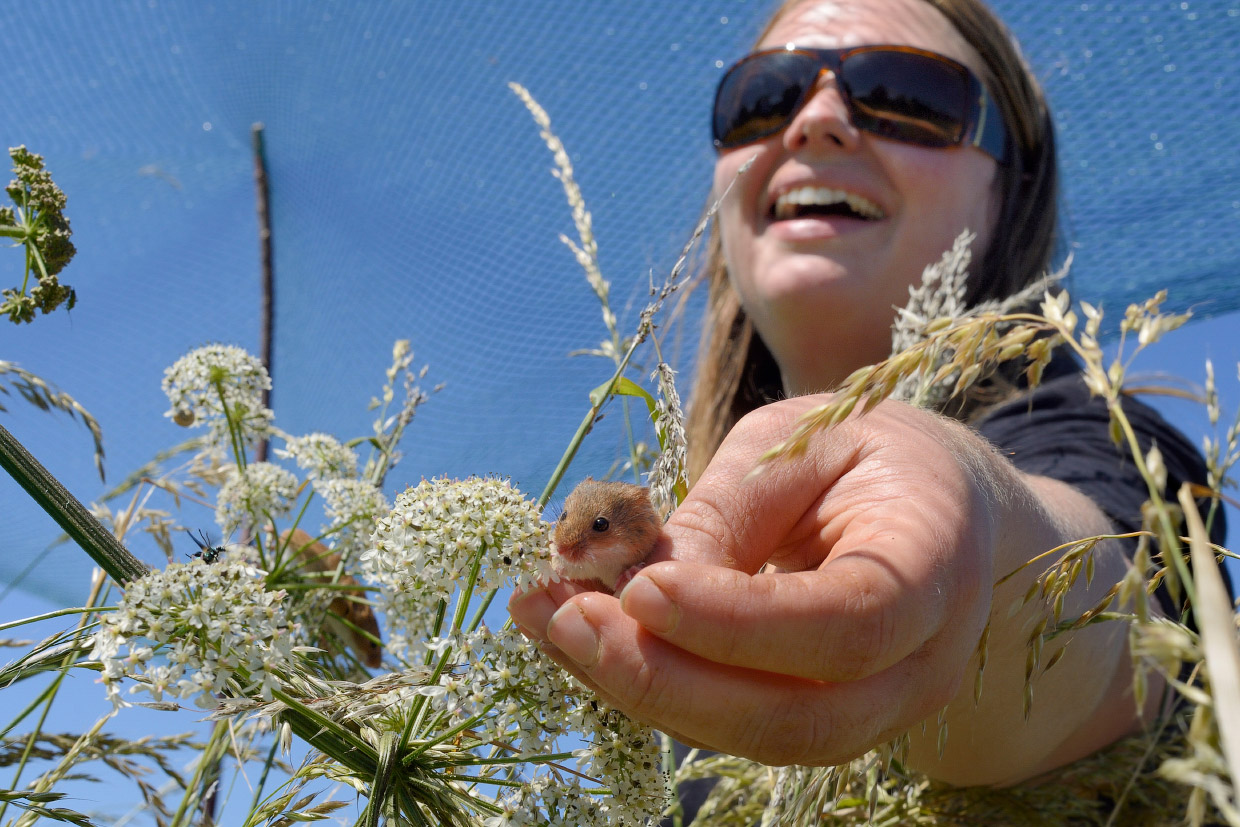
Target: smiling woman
(836, 601)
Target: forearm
(1081, 704)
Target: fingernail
(573, 635)
(650, 606)
(532, 611)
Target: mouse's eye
(601, 524)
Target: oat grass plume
(665, 413)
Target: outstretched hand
(814, 610)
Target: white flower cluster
(512, 694)
(523, 697)
(671, 467)
(214, 384)
(323, 457)
(425, 549)
(623, 756)
(257, 493)
(354, 505)
(195, 630)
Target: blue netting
(411, 199)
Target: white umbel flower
(195, 630)
(321, 456)
(257, 493)
(216, 384)
(427, 546)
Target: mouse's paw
(627, 575)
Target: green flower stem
(211, 754)
(597, 400)
(476, 621)
(525, 758)
(411, 757)
(262, 779)
(70, 514)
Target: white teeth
(786, 205)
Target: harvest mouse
(605, 534)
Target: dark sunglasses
(896, 92)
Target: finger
(856, 616)
(734, 517)
(532, 609)
(774, 719)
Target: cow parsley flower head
(321, 456)
(354, 505)
(258, 492)
(217, 385)
(624, 756)
(195, 630)
(516, 693)
(425, 549)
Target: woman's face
(821, 289)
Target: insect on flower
(206, 551)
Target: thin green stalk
(46, 698)
(527, 758)
(1170, 537)
(411, 757)
(68, 513)
(586, 425)
(48, 690)
(234, 435)
(49, 695)
(482, 609)
(467, 594)
(210, 756)
(262, 778)
(421, 704)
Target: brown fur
(610, 557)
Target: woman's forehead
(841, 23)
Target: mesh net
(411, 199)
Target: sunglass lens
(758, 96)
(907, 97)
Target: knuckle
(793, 733)
(862, 639)
(714, 515)
(650, 690)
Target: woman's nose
(823, 120)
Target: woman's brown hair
(736, 373)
